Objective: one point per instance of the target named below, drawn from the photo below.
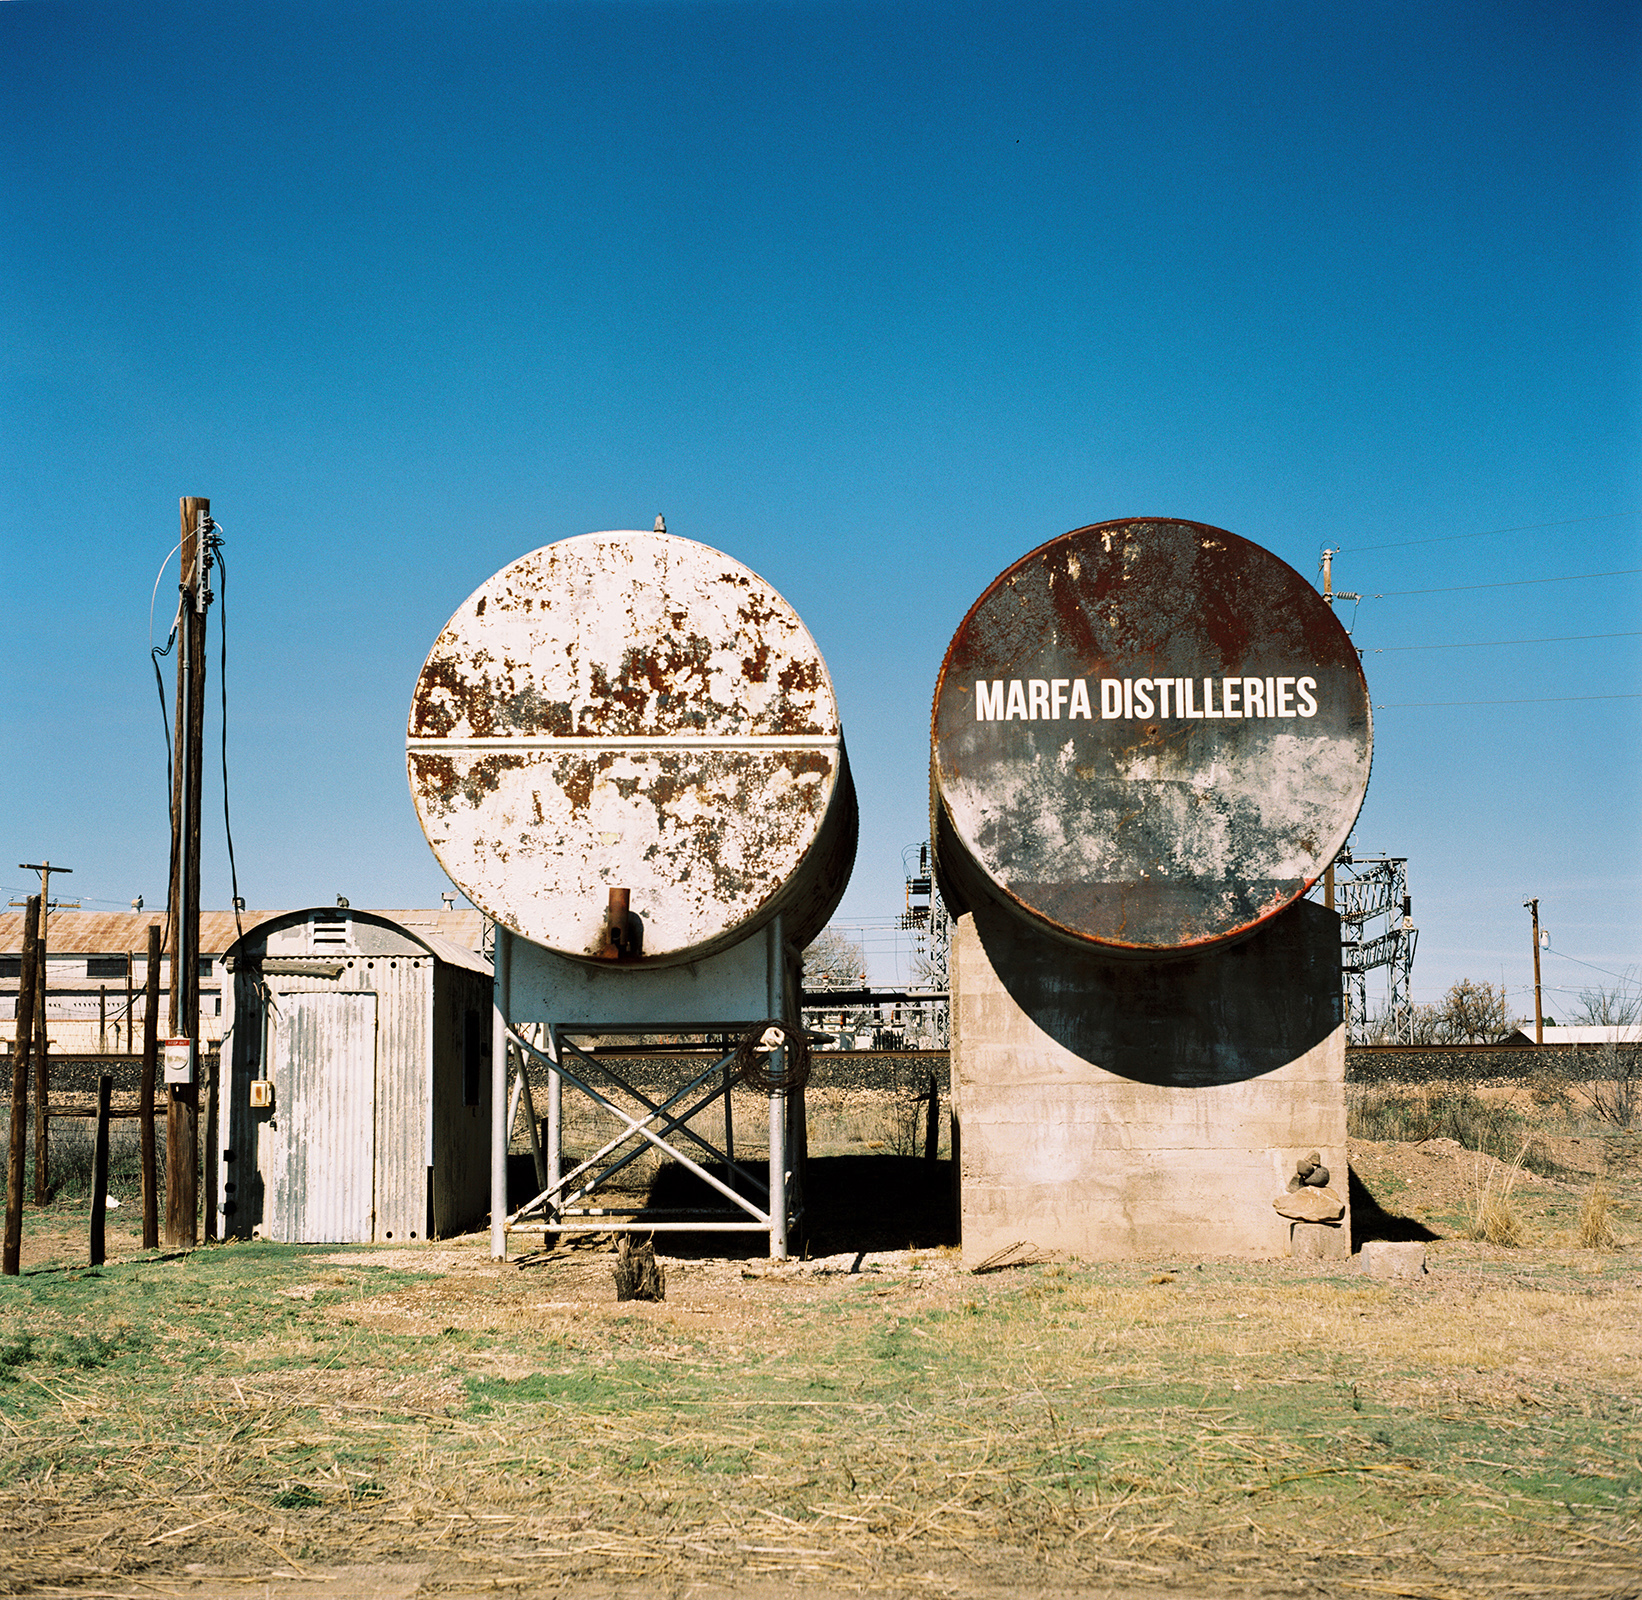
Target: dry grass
(1495, 1219)
(1596, 1230)
(261, 1406)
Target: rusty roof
(93, 933)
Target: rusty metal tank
(633, 712)
(1149, 737)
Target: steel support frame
(665, 1127)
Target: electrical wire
(1512, 583)
(1487, 644)
(1489, 533)
(1623, 977)
(1548, 700)
(222, 679)
(154, 654)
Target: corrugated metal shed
(373, 1041)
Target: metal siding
(318, 1164)
(402, 1108)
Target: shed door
(324, 1070)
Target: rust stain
(633, 635)
(1117, 825)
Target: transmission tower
(925, 918)
(1376, 930)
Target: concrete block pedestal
(1137, 1109)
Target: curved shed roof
(436, 945)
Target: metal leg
(778, 1169)
(530, 1113)
(498, 1094)
(555, 1116)
(729, 1129)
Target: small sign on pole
(181, 1059)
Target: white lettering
(1057, 699)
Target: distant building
(1524, 1034)
(92, 957)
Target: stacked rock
(1309, 1171)
(1309, 1198)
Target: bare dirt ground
(259, 1420)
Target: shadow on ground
(872, 1202)
(1370, 1220)
(851, 1203)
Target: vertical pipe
(778, 1105)
(555, 1113)
(501, 999)
(729, 1130)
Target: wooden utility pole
(42, 1042)
(1539, 1015)
(182, 1156)
(145, 1101)
(20, 1092)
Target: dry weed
(1494, 1218)
(1595, 1223)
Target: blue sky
(875, 299)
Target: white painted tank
(633, 711)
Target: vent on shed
(330, 930)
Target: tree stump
(638, 1275)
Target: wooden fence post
(20, 1092)
(99, 1170)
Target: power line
(1549, 700)
(1486, 644)
(1489, 533)
(1623, 977)
(1512, 583)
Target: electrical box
(262, 1094)
(181, 1060)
